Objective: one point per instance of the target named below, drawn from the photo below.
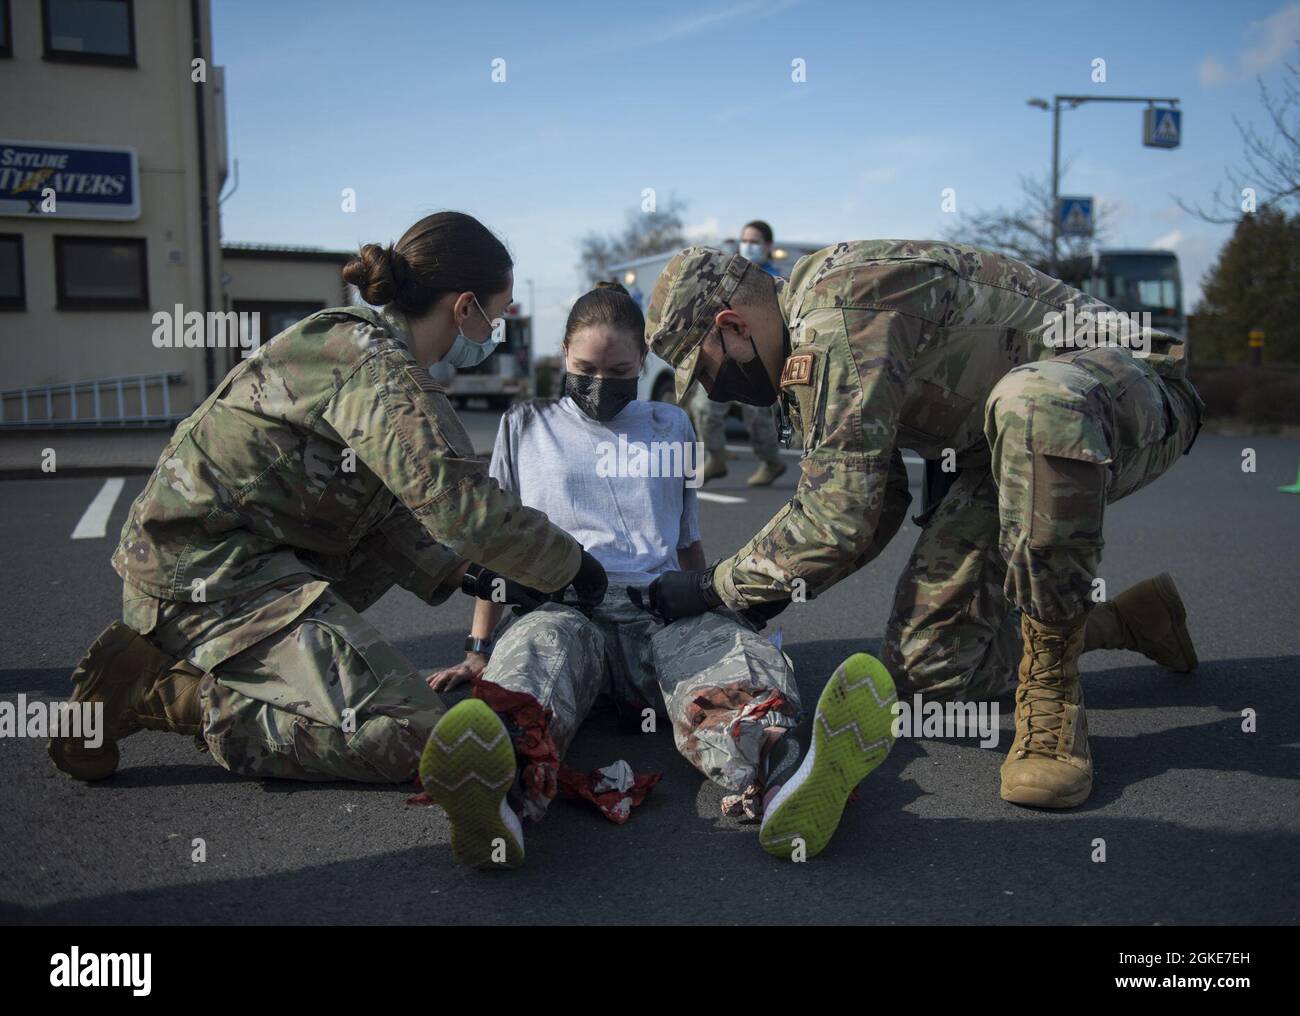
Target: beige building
(280, 284)
(112, 160)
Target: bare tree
(645, 233)
(1025, 232)
(1272, 163)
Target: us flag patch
(427, 383)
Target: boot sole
(1168, 592)
(1032, 797)
(852, 735)
(85, 764)
(467, 768)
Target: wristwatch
(483, 646)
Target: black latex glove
(590, 582)
(759, 614)
(485, 584)
(677, 594)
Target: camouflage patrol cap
(693, 287)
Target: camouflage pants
(297, 683)
(710, 420)
(1068, 436)
(714, 678)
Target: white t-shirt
(605, 483)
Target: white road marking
(704, 495)
(94, 523)
(745, 449)
(911, 460)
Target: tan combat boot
(715, 467)
(1149, 619)
(1049, 764)
(766, 473)
(141, 688)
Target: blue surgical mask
(465, 352)
(752, 252)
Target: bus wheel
(499, 402)
(663, 390)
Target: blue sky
(395, 99)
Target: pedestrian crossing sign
(1074, 216)
(1162, 128)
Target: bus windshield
(1138, 282)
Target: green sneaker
(852, 734)
(467, 768)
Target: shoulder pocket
(803, 383)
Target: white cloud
(706, 230)
(1211, 72)
(1170, 241)
(1273, 38)
(882, 175)
(1268, 41)
(705, 21)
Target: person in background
(711, 417)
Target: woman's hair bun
(616, 286)
(374, 272)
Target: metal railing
(104, 402)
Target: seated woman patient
(619, 475)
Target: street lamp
(1074, 101)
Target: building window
(90, 31)
(6, 30)
(13, 291)
(274, 316)
(101, 273)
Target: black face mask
(601, 398)
(746, 382)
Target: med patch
(798, 370)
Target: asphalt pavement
(1198, 818)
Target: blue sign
(1162, 128)
(66, 181)
(1074, 216)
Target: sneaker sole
(467, 768)
(1164, 584)
(852, 735)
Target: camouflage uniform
(938, 348)
(324, 469)
(720, 683)
(710, 420)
